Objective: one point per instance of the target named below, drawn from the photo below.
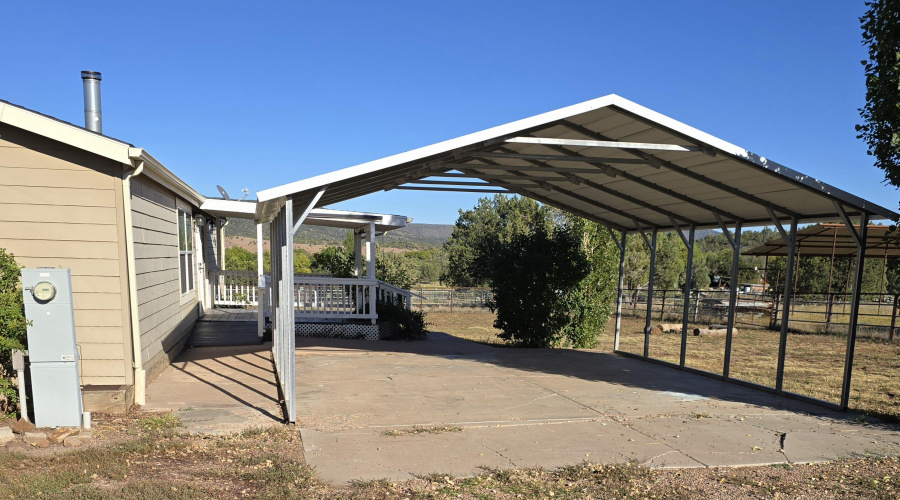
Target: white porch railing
(234, 288)
(315, 296)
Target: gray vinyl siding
(63, 207)
(165, 317)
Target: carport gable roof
(609, 160)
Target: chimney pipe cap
(90, 75)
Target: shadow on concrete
(587, 365)
(229, 375)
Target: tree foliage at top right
(881, 114)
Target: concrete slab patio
(217, 390)
(370, 410)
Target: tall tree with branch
(881, 114)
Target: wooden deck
(230, 315)
(225, 327)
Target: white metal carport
(614, 162)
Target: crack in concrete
(528, 403)
(480, 442)
(677, 452)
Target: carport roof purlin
(609, 160)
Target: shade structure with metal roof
(824, 240)
(609, 160)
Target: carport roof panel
(624, 188)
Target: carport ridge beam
(611, 144)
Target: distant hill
(414, 236)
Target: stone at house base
(6, 435)
(21, 426)
(108, 398)
(16, 446)
(72, 441)
(85, 434)
(38, 439)
(57, 436)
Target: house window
(186, 251)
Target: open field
(814, 363)
(147, 456)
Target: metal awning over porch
(317, 217)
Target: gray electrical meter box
(53, 354)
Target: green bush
(532, 277)
(12, 327)
(406, 324)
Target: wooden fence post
(451, 301)
(774, 323)
(828, 309)
(894, 316)
(662, 307)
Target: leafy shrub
(532, 277)
(12, 327)
(406, 324)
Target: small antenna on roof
(246, 193)
(223, 192)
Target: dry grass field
(814, 363)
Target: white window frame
(186, 252)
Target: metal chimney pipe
(93, 119)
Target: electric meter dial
(43, 291)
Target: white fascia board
(65, 133)
(159, 173)
(230, 208)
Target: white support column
(621, 285)
(370, 270)
(357, 254)
(260, 284)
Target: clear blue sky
(258, 94)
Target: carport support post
(688, 277)
(732, 297)
(854, 305)
(621, 286)
(791, 240)
(648, 319)
(260, 284)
